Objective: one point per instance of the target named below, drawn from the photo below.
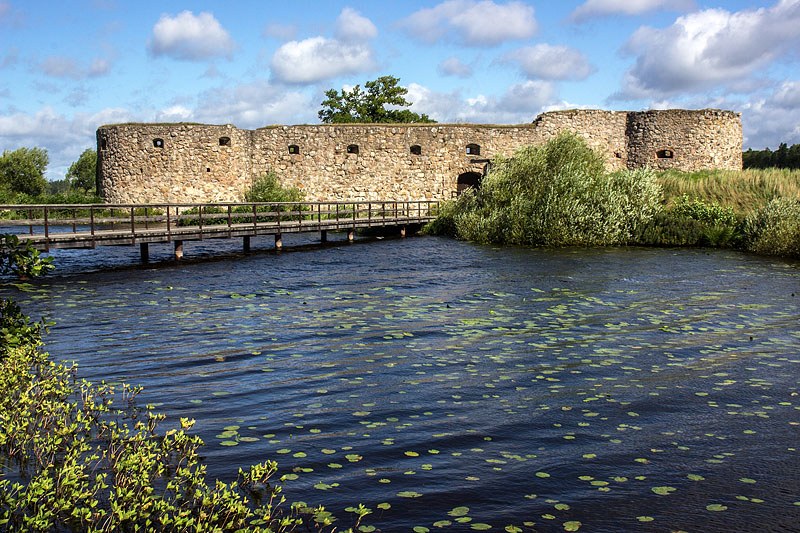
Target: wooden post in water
(144, 251)
(178, 250)
(323, 235)
(278, 241)
(350, 235)
(246, 243)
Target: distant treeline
(783, 157)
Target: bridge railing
(137, 222)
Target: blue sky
(68, 67)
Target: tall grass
(744, 190)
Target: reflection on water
(625, 389)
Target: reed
(745, 191)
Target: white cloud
(352, 27)
(772, 119)
(521, 103)
(250, 105)
(708, 48)
(473, 23)
(787, 96)
(57, 66)
(543, 61)
(320, 58)
(280, 31)
(63, 137)
(604, 8)
(190, 37)
(452, 66)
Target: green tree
(369, 107)
(23, 170)
(81, 173)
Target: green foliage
(744, 191)
(369, 107)
(83, 171)
(22, 260)
(774, 229)
(23, 170)
(61, 186)
(783, 157)
(267, 188)
(708, 212)
(666, 229)
(557, 194)
(16, 329)
(83, 464)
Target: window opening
(294, 149)
(103, 144)
(158, 143)
(473, 149)
(224, 141)
(352, 149)
(665, 154)
(416, 149)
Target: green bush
(268, 189)
(708, 212)
(82, 464)
(667, 229)
(774, 229)
(557, 194)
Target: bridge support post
(144, 252)
(402, 232)
(178, 250)
(246, 243)
(351, 234)
(278, 241)
(323, 236)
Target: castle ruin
(178, 163)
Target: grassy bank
(744, 191)
(559, 194)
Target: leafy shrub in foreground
(70, 460)
(557, 194)
(774, 229)
(84, 465)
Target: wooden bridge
(92, 225)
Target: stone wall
(140, 163)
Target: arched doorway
(467, 180)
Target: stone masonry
(153, 163)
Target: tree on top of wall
(370, 106)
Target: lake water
(621, 388)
